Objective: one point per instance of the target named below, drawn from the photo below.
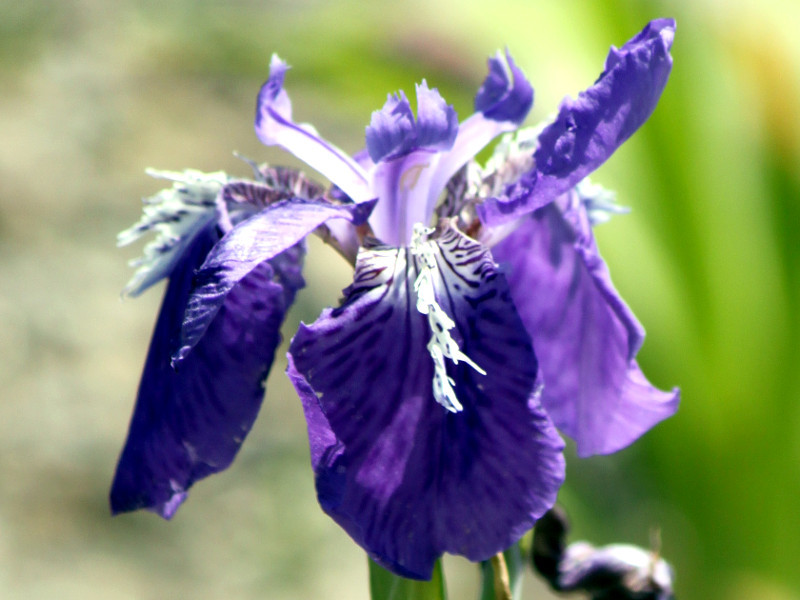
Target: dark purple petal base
(190, 422)
(405, 478)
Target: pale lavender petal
(588, 130)
(403, 187)
(404, 153)
(393, 132)
(363, 159)
(584, 334)
(407, 479)
(473, 135)
(501, 104)
(190, 422)
(391, 127)
(506, 94)
(277, 227)
(274, 126)
(413, 172)
(437, 121)
(340, 233)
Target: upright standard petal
(267, 233)
(506, 94)
(407, 479)
(437, 121)
(391, 129)
(403, 186)
(501, 105)
(585, 336)
(405, 153)
(393, 132)
(274, 127)
(189, 423)
(588, 130)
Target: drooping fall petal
(190, 422)
(585, 336)
(407, 479)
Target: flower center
(441, 345)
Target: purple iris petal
(391, 128)
(504, 98)
(189, 423)
(405, 478)
(393, 132)
(274, 126)
(589, 129)
(259, 238)
(406, 154)
(403, 186)
(585, 336)
(502, 103)
(437, 121)
(274, 184)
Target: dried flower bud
(613, 572)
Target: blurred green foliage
(709, 260)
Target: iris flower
(480, 320)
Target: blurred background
(92, 92)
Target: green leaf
(384, 585)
